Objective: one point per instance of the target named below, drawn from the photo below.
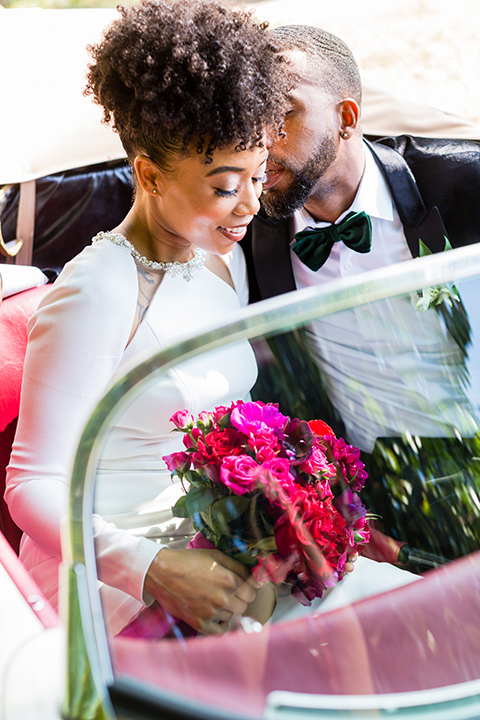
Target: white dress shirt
(389, 369)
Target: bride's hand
(349, 565)
(205, 588)
(261, 609)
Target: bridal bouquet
(280, 495)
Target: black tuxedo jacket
(435, 185)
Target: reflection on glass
(403, 387)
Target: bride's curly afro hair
(177, 75)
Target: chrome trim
(279, 702)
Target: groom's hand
(202, 587)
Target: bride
(189, 86)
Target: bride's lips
(274, 173)
(234, 234)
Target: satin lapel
(271, 257)
(430, 231)
(418, 224)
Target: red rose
(318, 427)
(215, 446)
(315, 531)
(202, 455)
(224, 442)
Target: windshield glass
(359, 531)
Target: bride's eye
(225, 193)
(260, 179)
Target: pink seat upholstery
(15, 312)
(420, 636)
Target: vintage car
(411, 652)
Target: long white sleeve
(79, 343)
(76, 340)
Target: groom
(387, 199)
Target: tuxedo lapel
(271, 256)
(431, 231)
(418, 223)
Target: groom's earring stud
(154, 191)
(345, 134)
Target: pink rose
(221, 415)
(193, 440)
(265, 445)
(177, 461)
(239, 473)
(199, 542)
(182, 419)
(317, 463)
(254, 417)
(205, 420)
(278, 480)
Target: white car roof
(47, 125)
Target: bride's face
(210, 205)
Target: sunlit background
(424, 50)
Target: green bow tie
(313, 245)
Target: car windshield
(389, 363)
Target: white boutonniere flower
(437, 294)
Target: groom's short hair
(328, 58)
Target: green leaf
(198, 498)
(268, 526)
(226, 512)
(448, 245)
(267, 544)
(196, 479)
(245, 558)
(423, 250)
(208, 523)
(232, 507)
(180, 508)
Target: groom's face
(308, 146)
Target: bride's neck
(144, 229)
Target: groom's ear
(148, 174)
(349, 114)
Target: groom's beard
(282, 204)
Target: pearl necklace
(185, 269)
